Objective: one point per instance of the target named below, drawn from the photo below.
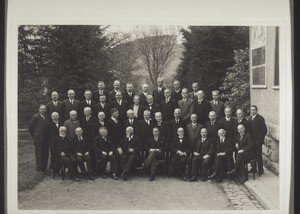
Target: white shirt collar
(145, 93)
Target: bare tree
(156, 51)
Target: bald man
(112, 93)
(158, 93)
(168, 105)
(72, 124)
(144, 94)
(68, 105)
(54, 105)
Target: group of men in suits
(118, 126)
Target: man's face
(55, 117)
(73, 116)
(194, 118)
(101, 86)
(150, 100)
(184, 94)
(212, 116)
(167, 93)
(195, 87)
(241, 130)
(54, 96)
(71, 95)
(129, 88)
(155, 132)
(63, 132)
(130, 115)
(115, 114)
(160, 83)
(158, 117)
(87, 112)
(101, 116)
(253, 111)
(103, 132)
(145, 88)
(176, 85)
(117, 85)
(239, 114)
(42, 110)
(204, 133)
(180, 132)
(128, 132)
(221, 133)
(102, 99)
(88, 95)
(78, 132)
(146, 116)
(176, 114)
(215, 96)
(228, 112)
(136, 100)
(118, 96)
(200, 95)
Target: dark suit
(145, 131)
(52, 108)
(223, 160)
(173, 127)
(176, 95)
(163, 130)
(245, 123)
(154, 108)
(212, 130)
(82, 146)
(106, 109)
(112, 96)
(160, 144)
(158, 96)
(135, 125)
(179, 162)
(127, 157)
(81, 107)
(96, 96)
(229, 126)
(37, 128)
(219, 108)
(123, 108)
(66, 107)
(202, 110)
(203, 148)
(128, 98)
(167, 109)
(193, 96)
(258, 132)
(98, 125)
(71, 127)
(115, 132)
(100, 145)
(143, 99)
(140, 112)
(187, 108)
(245, 143)
(194, 134)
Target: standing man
(144, 94)
(258, 132)
(112, 94)
(129, 95)
(186, 105)
(167, 106)
(100, 122)
(193, 130)
(71, 125)
(158, 94)
(37, 129)
(176, 123)
(69, 105)
(114, 127)
(152, 107)
(162, 126)
(121, 105)
(228, 123)
(103, 106)
(145, 128)
(212, 126)
(176, 94)
(54, 105)
(88, 102)
(131, 121)
(195, 88)
(241, 120)
(217, 105)
(137, 109)
(101, 91)
(201, 108)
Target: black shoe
(243, 179)
(252, 170)
(194, 178)
(184, 178)
(114, 177)
(91, 178)
(76, 179)
(152, 178)
(260, 173)
(212, 176)
(125, 177)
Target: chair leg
(63, 172)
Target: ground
(42, 192)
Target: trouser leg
(38, 155)
(259, 157)
(128, 164)
(68, 164)
(196, 165)
(87, 159)
(113, 164)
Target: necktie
(55, 104)
(167, 100)
(74, 121)
(88, 102)
(177, 121)
(212, 123)
(150, 107)
(156, 138)
(215, 103)
(131, 121)
(199, 101)
(221, 140)
(56, 125)
(72, 102)
(159, 89)
(148, 122)
(43, 116)
(194, 126)
(203, 139)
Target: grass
(28, 177)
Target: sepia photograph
(115, 115)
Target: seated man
(223, 156)
(180, 148)
(155, 146)
(128, 150)
(62, 150)
(104, 150)
(202, 153)
(245, 151)
(81, 150)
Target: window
(276, 59)
(259, 67)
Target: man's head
(103, 131)
(158, 116)
(73, 115)
(167, 93)
(184, 93)
(239, 113)
(150, 99)
(71, 94)
(222, 133)
(42, 109)
(200, 95)
(203, 132)
(212, 115)
(102, 98)
(155, 132)
(78, 131)
(101, 116)
(195, 86)
(62, 131)
(145, 88)
(55, 117)
(215, 95)
(54, 96)
(114, 113)
(129, 87)
(176, 85)
(147, 114)
(194, 118)
(177, 113)
(101, 85)
(87, 111)
(117, 85)
(228, 112)
(180, 132)
(136, 99)
(160, 82)
(88, 94)
(241, 129)
(119, 95)
(253, 110)
(130, 114)
(129, 131)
